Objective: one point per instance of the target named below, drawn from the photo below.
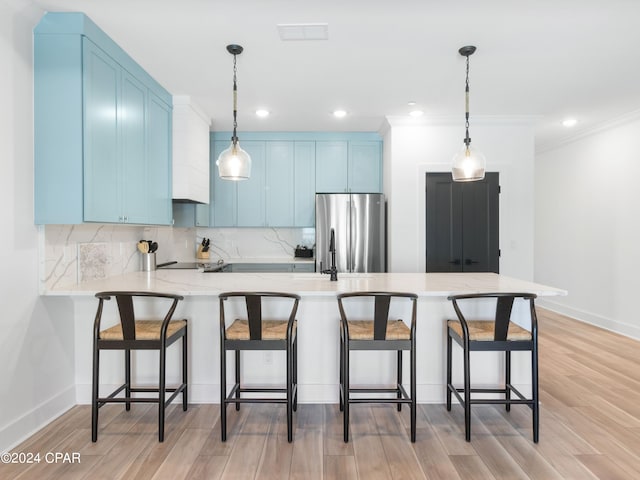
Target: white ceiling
(546, 58)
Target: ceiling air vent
(303, 31)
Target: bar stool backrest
(381, 309)
(504, 307)
(253, 301)
(124, 300)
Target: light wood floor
(590, 428)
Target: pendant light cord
(234, 139)
(467, 140)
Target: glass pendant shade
(234, 163)
(468, 165)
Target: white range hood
(190, 152)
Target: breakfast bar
(318, 332)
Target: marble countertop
(196, 283)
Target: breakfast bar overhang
(318, 329)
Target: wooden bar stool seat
(144, 330)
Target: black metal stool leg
(345, 389)
(223, 393)
(413, 389)
(507, 379)
(238, 379)
(399, 380)
(467, 396)
(448, 371)
(341, 383)
(534, 394)
(185, 376)
(94, 394)
(161, 391)
(295, 372)
(289, 392)
(127, 378)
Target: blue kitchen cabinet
(203, 215)
(157, 171)
(260, 267)
(102, 129)
(365, 167)
(304, 184)
(349, 166)
(223, 204)
(133, 178)
(288, 168)
(279, 184)
(251, 198)
(306, 267)
(102, 82)
(332, 166)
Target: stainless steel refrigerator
(359, 221)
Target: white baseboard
(26, 425)
(632, 331)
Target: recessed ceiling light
(416, 113)
(262, 113)
(411, 103)
(339, 113)
(569, 122)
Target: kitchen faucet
(332, 248)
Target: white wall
(412, 150)
(36, 347)
(588, 225)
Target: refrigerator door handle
(349, 232)
(353, 225)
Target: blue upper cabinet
(223, 193)
(158, 161)
(332, 166)
(304, 206)
(279, 184)
(102, 81)
(349, 166)
(288, 168)
(365, 167)
(251, 212)
(102, 129)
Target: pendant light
(468, 164)
(234, 163)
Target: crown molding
(446, 120)
(587, 132)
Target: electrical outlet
(267, 358)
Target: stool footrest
(111, 398)
(399, 389)
(237, 389)
(522, 400)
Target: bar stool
(497, 334)
(132, 334)
(381, 333)
(256, 333)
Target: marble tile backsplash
(229, 244)
(75, 253)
